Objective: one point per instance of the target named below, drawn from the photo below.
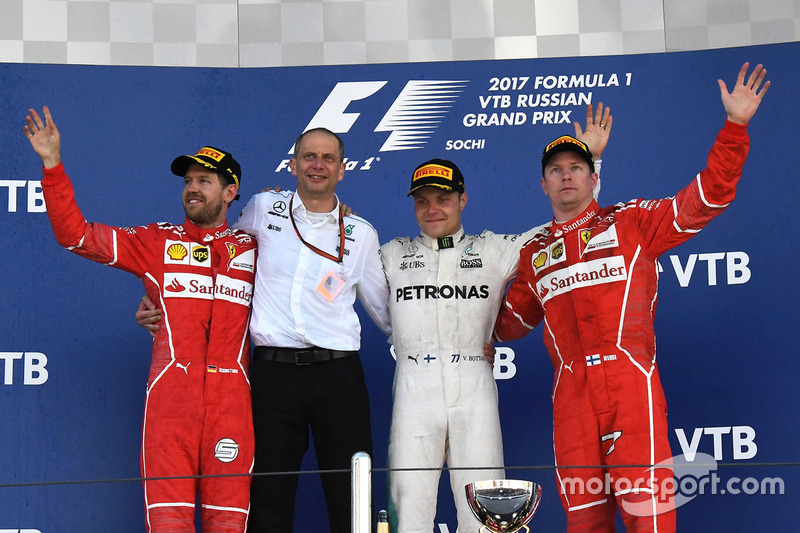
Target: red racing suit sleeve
(94, 241)
(521, 310)
(664, 224)
(660, 224)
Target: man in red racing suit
(591, 275)
(197, 416)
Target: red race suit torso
(593, 281)
(197, 417)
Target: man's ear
(230, 193)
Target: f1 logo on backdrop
(410, 121)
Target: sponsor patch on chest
(244, 261)
(186, 285)
(186, 253)
(548, 256)
(471, 263)
(595, 239)
(580, 275)
(414, 263)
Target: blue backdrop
(74, 363)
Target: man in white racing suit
(445, 289)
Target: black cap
(215, 159)
(566, 143)
(439, 173)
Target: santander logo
(579, 275)
(175, 286)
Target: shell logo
(540, 260)
(176, 252)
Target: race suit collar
(442, 242)
(204, 234)
(579, 221)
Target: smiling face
(438, 211)
(206, 196)
(319, 167)
(569, 183)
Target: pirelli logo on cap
(210, 152)
(562, 140)
(433, 170)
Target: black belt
(299, 356)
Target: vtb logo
(411, 119)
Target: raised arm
(44, 137)
(742, 103)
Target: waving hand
(741, 103)
(44, 137)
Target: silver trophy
(503, 505)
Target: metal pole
(361, 493)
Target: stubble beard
(207, 214)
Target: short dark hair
(225, 180)
(319, 130)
